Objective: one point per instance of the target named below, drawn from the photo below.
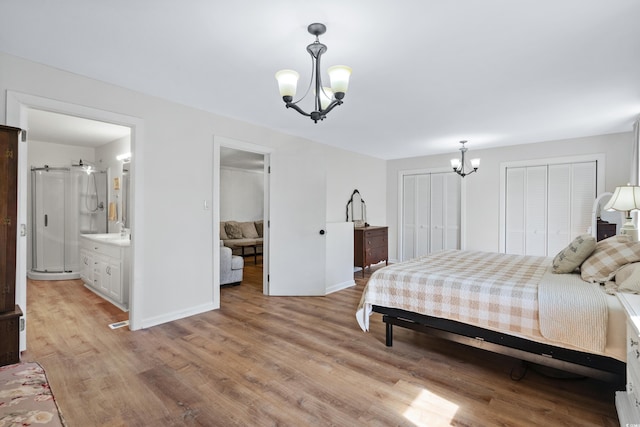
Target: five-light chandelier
(325, 98)
(461, 166)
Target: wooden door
(8, 215)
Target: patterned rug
(25, 397)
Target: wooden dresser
(370, 246)
(9, 312)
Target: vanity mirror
(357, 210)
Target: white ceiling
(426, 73)
(69, 130)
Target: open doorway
(21, 112)
(241, 199)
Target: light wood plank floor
(282, 361)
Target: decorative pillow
(260, 228)
(223, 233)
(233, 230)
(573, 255)
(628, 278)
(610, 255)
(248, 230)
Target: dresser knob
(632, 342)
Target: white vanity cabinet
(105, 266)
(628, 401)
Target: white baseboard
(176, 315)
(340, 286)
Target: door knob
(322, 232)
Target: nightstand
(628, 401)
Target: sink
(109, 238)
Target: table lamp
(626, 199)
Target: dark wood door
(8, 215)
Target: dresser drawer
(375, 241)
(369, 234)
(376, 254)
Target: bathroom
(79, 185)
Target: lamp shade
(339, 76)
(625, 198)
(326, 96)
(287, 82)
(475, 163)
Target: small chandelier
(460, 166)
(325, 98)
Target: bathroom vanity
(105, 265)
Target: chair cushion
(237, 262)
(248, 230)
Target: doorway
(241, 193)
(19, 109)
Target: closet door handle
(46, 220)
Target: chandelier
(461, 166)
(325, 98)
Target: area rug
(25, 397)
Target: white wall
(57, 155)
(481, 191)
(176, 251)
(241, 195)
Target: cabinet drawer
(375, 255)
(375, 241)
(375, 233)
(108, 250)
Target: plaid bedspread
(490, 290)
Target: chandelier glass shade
(325, 98)
(462, 166)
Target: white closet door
(515, 211)
(583, 193)
(430, 214)
(424, 196)
(438, 209)
(452, 184)
(408, 216)
(536, 211)
(559, 225)
(547, 206)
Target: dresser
(10, 313)
(370, 246)
(628, 401)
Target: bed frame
(577, 362)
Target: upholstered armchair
(231, 267)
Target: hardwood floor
(285, 361)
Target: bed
(510, 304)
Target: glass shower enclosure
(65, 202)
